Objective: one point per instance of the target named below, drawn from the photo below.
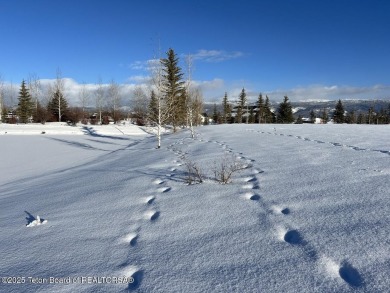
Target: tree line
(241, 111)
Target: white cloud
(322, 92)
(140, 79)
(138, 65)
(216, 55)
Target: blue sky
(302, 48)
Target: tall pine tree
(260, 109)
(58, 105)
(25, 105)
(268, 115)
(285, 114)
(338, 115)
(241, 105)
(153, 108)
(227, 109)
(174, 90)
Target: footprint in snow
(280, 210)
(350, 275)
(134, 275)
(152, 215)
(289, 236)
(250, 179)
(293, 237)
(345, 271)
(131, 238)
(163, 189)
(251, 195)
(250, 186)
(150, 199)
(158, 181)
(285, 211)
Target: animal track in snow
(152, 215)
(345, 271)
(280, 210)
(293, 237)
(285, 211)
(250, 186)
(136, 274)
(158, 181)
(251, 195)
(289, 236)
(350, 275)
(163, 189)
(131, 238)
(150, 199)
(250, 179)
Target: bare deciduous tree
(83, 97)
(34, 86)
(139, 103)
(114, 99)
(59, 88)
(194, 99)
(99, 98)
(163, 107)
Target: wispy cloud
(216, 55)
(139, 79)
(138, 65)
(323, 92)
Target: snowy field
(309, 213)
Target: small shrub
(194, 171)
(224, 168)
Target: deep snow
(310, 213)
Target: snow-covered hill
(309, 213)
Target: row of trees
(173, 100)
(261, 112)
(30, 110)
(370, 117)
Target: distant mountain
(304, 108)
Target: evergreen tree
(299, 120)
(285, 114)
(312, 116)
(268, 115)
(206, 119)
(370, 115)
(174, 89)
(153, 108)
(25, 105)
(215, 114)
(361, 119)
(260, 109)
(227, 109)
(350, 118)
(57, 105)
(338, 115)
(241, 105)
(324, 116)
(251, 115)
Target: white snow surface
(310, 213)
